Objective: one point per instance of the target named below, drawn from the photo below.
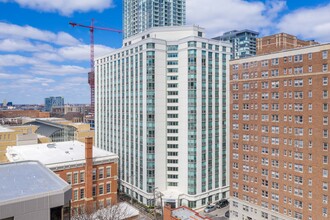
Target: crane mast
(91, 74)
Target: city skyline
(40, 59)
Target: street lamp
(131, 177)
(154, 191)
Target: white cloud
(35, 80)
(48, 56)
(64, 7)
(28, 32)
(224, 15)
(13, 45)
(16, 60)
(82, 52)
(308, 23)
(57, 70)
(13, 76)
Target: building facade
(243, 42)
(52, 102)
(91, 172)
(139, 15)
(30, 191)
(281, 41)
(280, 135)
(161, 106)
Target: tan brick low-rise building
(92, 172)
(18, 135)
(279, 135)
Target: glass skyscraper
(139, 15)
(53, 102)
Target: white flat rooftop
(5, 129)
(28, 179)
(55, 153)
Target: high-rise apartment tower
(280, 135)
(244, 42)
(161, 105)
(139, 15)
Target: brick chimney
(89, 174)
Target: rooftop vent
(52, 145)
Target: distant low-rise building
(23, 113)
(55, 131)
(30, 191)
(92, 172)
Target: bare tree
(114, 212)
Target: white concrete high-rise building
(139, 15)
(161, 106)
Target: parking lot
(218, 214)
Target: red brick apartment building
(280, 135)
(281, 41)
(92, 172)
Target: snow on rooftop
(5, 129)
(184, 213)
(27, 179)
(55, 153)
(120, 211)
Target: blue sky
(41, 55)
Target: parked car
(222, 203)
(227, 214)
(210, 208)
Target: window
(310, 56)
(82, 193)
(325, 67)
(75, 194)
(108, 172)
(101, 189)
(324, 54)
(94, 174)
(75, 177)
(325, 81)
(298, 58)
(94, 190)
(69, 178)
(298, 83)
(108, 187)
(325, 173)
(325, 94)
(82, 176)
